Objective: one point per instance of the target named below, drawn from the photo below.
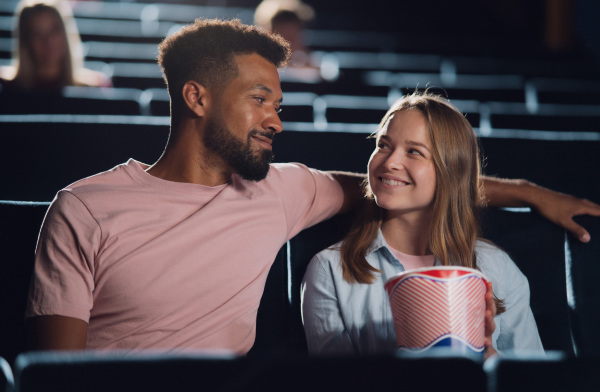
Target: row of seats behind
(43, 154)
(321, 110)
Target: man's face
(241, 128)
(243, 159)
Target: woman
(48, 55)
(422, 199)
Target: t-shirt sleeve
(63, 276)
(309, 196)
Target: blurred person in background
(289, 19)
(48, 55)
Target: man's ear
(196, 97)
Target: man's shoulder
(100, 189)
(99, 181)
(287, 168)
(294, 171)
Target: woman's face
(47, 39)
(401, 169)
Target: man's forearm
(56, 333)
(557, 207)
(499, 192)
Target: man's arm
(559, 208)
(352, 185)
(56, 333)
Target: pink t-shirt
(150, 263)
(410, 262)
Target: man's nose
(273, 122)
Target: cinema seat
(93, 371)
(7, 382)
(19, 226)
(512, 373)
(583, 269)
(537, 247)
(294, 373)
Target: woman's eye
(413, 151)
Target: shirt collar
(378, 243)
(380, 246)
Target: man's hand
(560, 208)
(557, 207)
(490, 324)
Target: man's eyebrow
(266, 89)
(261, 86)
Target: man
(175, 255)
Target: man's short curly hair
(204, 52)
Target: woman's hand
(490, 324)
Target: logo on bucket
(438, 307)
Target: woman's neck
(407, 233)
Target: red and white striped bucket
(439, 307)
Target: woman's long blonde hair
(458, 195)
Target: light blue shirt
(356, 319)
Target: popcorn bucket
(439, 307)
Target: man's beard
(250, 165)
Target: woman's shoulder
(329, 256)
(325, 266)
(496, 263)
(486, 248)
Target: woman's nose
(394, 161)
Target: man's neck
(186, 160)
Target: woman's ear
(196, 97)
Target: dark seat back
(7, 382)
(74, 100)
(508, 373)
(537, 247)
(272, 336)
(97, 371)
(54, 153)
(556, 372)
(583, 267)
(295, 373)
(301, 250)
(19, 227)
(116, 371)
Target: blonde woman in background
(48, 55)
